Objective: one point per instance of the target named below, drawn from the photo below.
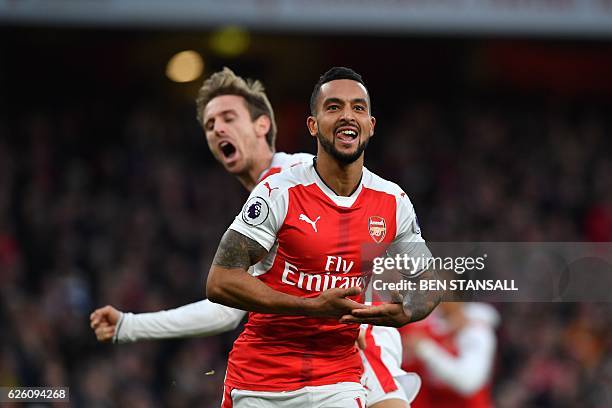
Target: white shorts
(341, 395)
(383, 377)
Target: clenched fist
(104, 322)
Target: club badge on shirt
(377, 228)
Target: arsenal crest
(377, 228)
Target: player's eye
(333, 107)
(208, 126)
(360, 108)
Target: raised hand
(104, 322)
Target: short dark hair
(332, 75)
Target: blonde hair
(225, 82)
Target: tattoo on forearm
(422, 302)
(237, 251)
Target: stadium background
(108, 193)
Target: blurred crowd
(127, 208)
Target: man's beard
(344, 158)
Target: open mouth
(227, 149)
(347, 133)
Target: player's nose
(348, 114)
(219, 129)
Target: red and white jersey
(282, 161)
(315, 240)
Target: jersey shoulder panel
(287, 160)
(282, 161)
(377, 183)
(292, 176)
(265, 210)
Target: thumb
(352, 291)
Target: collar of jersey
(340, 201)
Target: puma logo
(311, 222)
(267, 185)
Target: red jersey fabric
(315, 241)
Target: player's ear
(262, 125)
(313, 126)
(373, 121)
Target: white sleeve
(264, 213)
(203, 318)
(470, 370)
(408, 239)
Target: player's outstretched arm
(202, 318)
(230, 284)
